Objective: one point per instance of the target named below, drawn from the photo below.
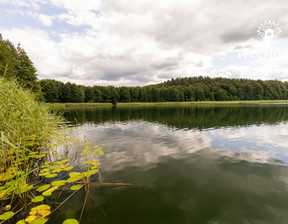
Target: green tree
(97, 94)
(124, 95)
(89, 94)
(49, 90)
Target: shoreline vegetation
(31, 170)
(71, 105)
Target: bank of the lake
(67, 105)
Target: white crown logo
(269, 30)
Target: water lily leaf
(63, 166)
(6, 215)
(51, 175)
(68, 168)
(39, 221)
(44, 174)
(75, 174)
(62, 161)
(76, 187)
(45, 170)
(33, 213)
(43, 187)
(41, 207)
(70, 221)
(44, 213)
(90, 172)
(38, 199)
(50, 191)
(30, 218)
(54, 167)
(57, 170)
(58, 183)
(73, 179)
(21, 222)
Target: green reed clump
(26, 126)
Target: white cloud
(140, 42)
(45, 20)
(31, 4)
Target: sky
(142, 42)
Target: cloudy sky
(140, 42)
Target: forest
(15, 63)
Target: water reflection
(191, 117)
(187, 165)
(204, 187)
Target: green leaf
(44, 174)
(68, 168)
(38, 199)
(57, 170)
(39, 221)
(21, 222)
(43, 187)
(70, 221)
(41, 207)
(76, 187)
(6, 176)
(6, 215)
(75, 174)
(23, 189)
(58, 183)
(90, 172)
(73, 179)
(51, 175)
(50, 191)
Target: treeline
(175, 90)
(15, 64)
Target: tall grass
(26, 126)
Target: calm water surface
(186, 164)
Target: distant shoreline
(73, 105)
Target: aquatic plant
(29, 133)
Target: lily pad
(50, 191)
(51, 175)
(41, 207)
(73, 179)
(38, 199)
(58, 183)
(43, 187)
(39, 221)
(76, 187)
(70, 221)
(6, 215)
(68, 168)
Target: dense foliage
(15, 64)
(175, 90)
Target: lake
(195, 164)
